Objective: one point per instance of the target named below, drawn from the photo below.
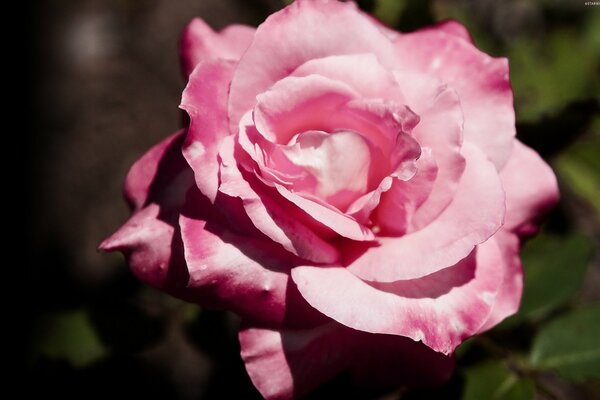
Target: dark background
(105, 85)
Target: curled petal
(399, 204)
(482, 84)
(475, 214)
(441, 309)
(363, 72)
(331, 218)
(294, 105)
(205, 101)
(155, 186)
(440, 129)
(153, 250)
(200, 43)
(269, 216)
(149, 177)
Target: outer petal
(246, 275)
(509, 296)
(200, 43)
(312, 29)
(475, 214)
(153, 172)
(156, 186)
(287, 364)
(441, 309)
(205, 100)
(153, 250)
(531, 189)
(481, 81)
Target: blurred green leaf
(389, 11)
(464, 348)
(592, 32)
(569, 344)
(579, 168)
(69, 336)
(548, 73)
(493, 380)
(554, 271)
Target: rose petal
(205, 100)
(279, 224)
(531, 189)
(336, 178)
(290, 363)
(294, 105)
(509, 296)
(481, 81)
(200, 43)
(312, 29)
(155, 187)
(246, 275)
(313, 171)
(150, 246)
(319, 104)
(441, 309)
(475, 214)
(279, 171)
(386, 124)
(363, 72)
(452, 27)
(440, 129)
(148, 176)
(338, 222)
(398, 205)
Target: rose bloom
(355, 194)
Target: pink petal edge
(475, 214)
(205, 100)
(441, 309)
(200, 43)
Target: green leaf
(389, 11)
(68, 336)
(570, 344)
(554, 271)
(464, 348)
(493, 380)
(579, 168)
(544, 75)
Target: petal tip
(110, 244)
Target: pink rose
(355, 194)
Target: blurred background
(106, 86)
